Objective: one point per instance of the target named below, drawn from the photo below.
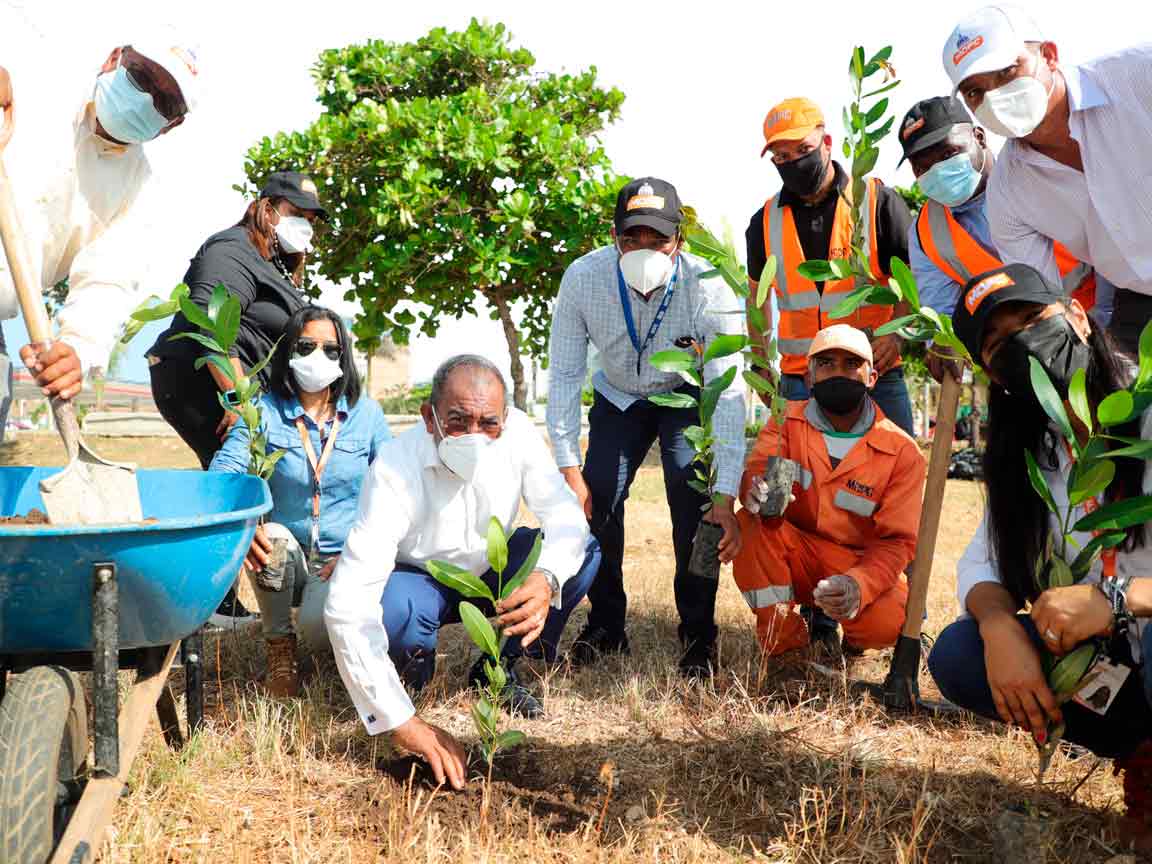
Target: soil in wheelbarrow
(562, 799)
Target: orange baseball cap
(791, 120)
(842, 336)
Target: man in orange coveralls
(848, 534)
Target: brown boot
(282, 680)
(1136, 827)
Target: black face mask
(1054, 343)
(839, 395)
(803, 176)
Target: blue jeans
(416, 606)
(890, 394)
(957, 665)
(618, 441)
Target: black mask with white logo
(803, 176)
(838, 395)
(1053, 342)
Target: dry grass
(772, 765)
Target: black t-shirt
(267, 299)
(814, 227)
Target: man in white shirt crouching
(430, 496)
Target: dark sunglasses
(304, 347)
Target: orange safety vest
(803, 309)
(960, 257)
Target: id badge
(1101, 691)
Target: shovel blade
(90, 491)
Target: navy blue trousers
(890, 393)
(416, 606)
(618, 441)
(957, 665)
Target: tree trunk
(512, 336)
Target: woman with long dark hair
(989, 661)
(329, 437)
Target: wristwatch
(1116, 590)
(554, 584)
(230, 397)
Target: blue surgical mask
(951, 182)
(125, 111)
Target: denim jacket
(363, 430)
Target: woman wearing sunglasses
(990, 661)
(329, 436)
(260, 260)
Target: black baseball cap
(649, 202)
(929, 122)
(984, 292)
(295, 187)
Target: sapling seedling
(490, 640)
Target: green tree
(451, 168)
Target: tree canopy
(451, 167)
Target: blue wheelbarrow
(101, 598)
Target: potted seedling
(490, 640)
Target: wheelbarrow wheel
(43, 749)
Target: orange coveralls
(859, 519)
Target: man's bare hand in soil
(439, 749)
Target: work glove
(838, 596)
(757, 494)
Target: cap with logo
(989, 39)
(178, 60)
(294, 187)
(842, 336)
(929, 122)
(791, 120)
(648, 202)
(985, 291)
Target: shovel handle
(933, 503)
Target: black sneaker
(595, 641)
(520, 702)
(699, 658)
(231, 613)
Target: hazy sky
(698, 80)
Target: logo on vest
(645, 197)
(860, 489)
(965, 45)
(984, 287)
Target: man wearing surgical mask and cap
(630, 300)
(430, 496)
(1068, 173)
(83, 224)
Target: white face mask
(1016, 109)
(294, 233)
(314, 372)
(645, 270)
(462, 454)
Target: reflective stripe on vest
(960, 257)
(803, 309)
(761, 598)
(853, 503)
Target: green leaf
(510, 738)
(672, 400)
(526, 568)
(220, 295)
(698, 486)
(758, 382)
(896, 324)
(816, 270)
(497, 546)
(1090, 481)
(1049, 399)
(483, 720)
(692, 377)
(1078, 398)
(158, 312)
(851, 302)
(883, 89)
(1118, 515)
(724, 345)
(875, 112)
(479, 629)
(219, 362)
(228, 322)
(207, 341)
(673, 361)
(1116, 408)
(1140, 450)
(459, 580)
(255, 370)
(757, 319)
(710, 395)
(1036, 478)
(865, 162)
(1144, 375)
(695, 434)
(767, 277)
(907, 282)
(195, 314)
(1083, 562)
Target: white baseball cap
(842, 336)
(987, 40)
(179, 61)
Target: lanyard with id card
(318, 467)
